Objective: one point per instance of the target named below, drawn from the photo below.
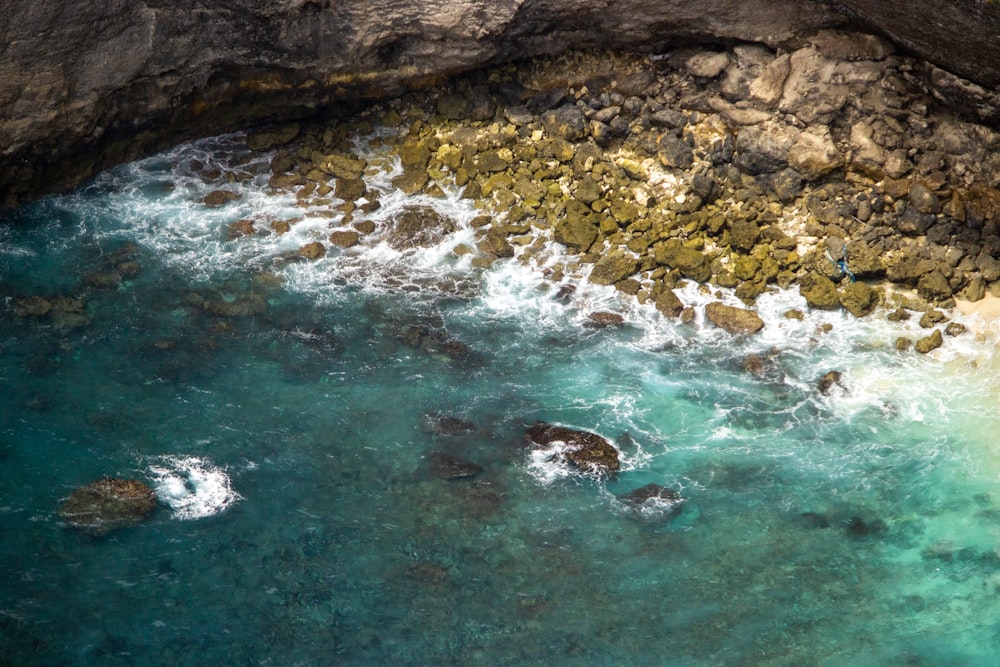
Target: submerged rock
(586, 450)
(829, 381)
(442, 424)
(448, 466)
(419, 226)
(107, 504)
(654, 495)
(602, 319)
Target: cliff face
(84, 85)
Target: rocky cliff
(84, 85)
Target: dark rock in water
(828, 381)
(732, 319)
(448, 466)
(419, 226)
(903, 344)
(32, 306)
(441, 424)
(107, 504)
(898, 315)
(313, 250)
(244, 306)
(813, 520)
(565, 293)
(583, 449)
(602, 319)
(235, 230)
(650, 492)
(858, 527)
(932, 317)
(219, 197)
(656, 496)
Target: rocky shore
(832, 167)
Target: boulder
(418, 226)
(217, 198)
(565, 122)
(819, 292)
(107, 504)
(350, 189)
(859, 299)
(612, 268)
(732, 319)
(674, 152)
(690, 262)
(265, 140)
(313, 250)
(601, 319)
(345, 238)
(588, 451)
(666, 301)
(929, 343)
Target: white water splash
(192, 487)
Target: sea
(339, 454)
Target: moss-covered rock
(613, 267)
(819, 292)
(859, 299)
(929, 343)
(107, 504)
(732, 319)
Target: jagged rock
(566, 122)
(929, 343)
(313, 250)
(602, 319)
(820, 292)
(667, 302)
(743, 234)
(217, 198)
(235, 230)
(495, 243)
(345, 238)
(859, 299)
(577, 228)
(690, 262)
(350, 189)
(613, 267)
(448, 466)
(732, 319)
(708, 65)
(655, 495)
(931, 318)
(934, 285)
(149, 61)
(829, 381)
(419, 226)
(674, 152)
(813, 154)
(955, 329)
(107, 504)
(588, 451)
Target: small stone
(931, 318)
(673, 152)
(240, 228)
(923, 199)
(898, 315)
(903, 344)
(955, 329)
(707, 65)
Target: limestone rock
(690, 262)
(859, 299)
(732, 319)
(929, 343)
(601, 319)
(418, 226)
(107, 504)
(708, 64)
(313, 250)
(820, 292)
(345, 238)
(218, 198)
(612, 268)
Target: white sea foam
(192, 487)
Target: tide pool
(300, 421)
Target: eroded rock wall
(84, 85)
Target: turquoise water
(304, 518)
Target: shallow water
(296, 448)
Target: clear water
(302, 520)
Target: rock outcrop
(86, 85)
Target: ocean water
(299, 421)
